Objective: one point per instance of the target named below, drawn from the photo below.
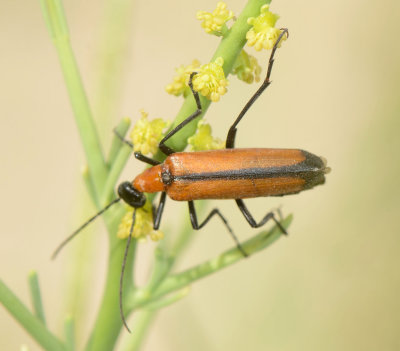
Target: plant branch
(117, 167)
(135, 340)
(69, 332)
(116, 144)
(183, 279)
(229, 49)
(36, 296)
(27, 320)
(57, 26)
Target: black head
(130, 195)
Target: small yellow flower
(179, 85)
(213, 22)
(143, 227)
(147, 134)
(263, 34)
(211, 81)
(203, 140)
(246, 68)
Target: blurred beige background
(333, 284)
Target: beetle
(218, 174)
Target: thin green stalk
(90, 187)
(108, 321)
(111, 60)
(186, 233)
(28, 321)
(143, 321)
(251, 246)
(57, 26)
(116, 144)
(117, 167)
(97, 173)
(165, 257)
(69, 331)
(162, 266)
(229, 257)
(36, 296)
(168, 299)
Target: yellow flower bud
(179, 85)
(213, 22)
(210, 80)
(246, 68)
(143, 227)
(203, 140)
(263, 34)
(147, 134)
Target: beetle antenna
(76, 232)
(121, 279)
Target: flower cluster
(147, 134)
(263, 34)
(179, 85)
(246, 68)
(203, 140)
(213, 22)
(143, 227)
(210, 80)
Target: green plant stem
(69, 332)
(90, 187)
(32, 324)
(108, 321)
(118, 165)
(168, 299)
(229, 257)
(229, 49)
(186, 233)
(135, 340)
(83, 117)
(36, 296)
(251, 246)
(162, 266)
(165, 257)
(111, 60)
(116, 144)
(57, 25)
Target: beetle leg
(215, 211)
(251, 220)
(138, 155)
(166, 149)
(157, 213)
(230, 138)
(146, 159)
